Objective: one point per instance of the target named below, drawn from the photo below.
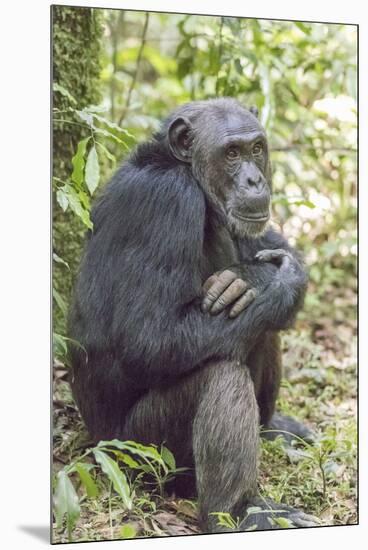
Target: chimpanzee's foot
(287, 427)
(263, 514)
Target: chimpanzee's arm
(265, 260)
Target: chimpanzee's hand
(225, 288)
(283, 258)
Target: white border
(25, 284)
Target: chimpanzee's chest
(220, 251)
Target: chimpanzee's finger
(208, 283)
(242, 303)
(272, 255)
(232, 293)
(224, 279)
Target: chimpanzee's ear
(180, 139)
(254, 110)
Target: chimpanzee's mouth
(254, 217)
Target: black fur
(150, 359)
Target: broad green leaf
(110, 135)
(128, 531)
(62, 199)
(135, 448)
(168, 457)
(66, 503)
(145, 450)
(84, 198)
(115, 475)
(127, 459)
(92, 170)
(63, 91)
(86, 479)
(113, 126)
(78, 161)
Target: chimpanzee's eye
(233, 153)
(257, 149)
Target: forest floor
(319, 387)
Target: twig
(219, 54)
(114, 30)
(132, 84)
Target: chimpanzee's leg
(226, 444)
(210, 418)
(265, 365)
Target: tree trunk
(76, 48)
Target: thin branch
(134, 80)
(219, 54)
(114, 31)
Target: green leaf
(60, 301)
(66, 503)
(86, 117)
(77, 207)
(62, 199)
(113, 126)
(284, 523)
(96, 109)
(59, 260)
(109, 155)
(59, 345)
(78, 161)
(145, 451)
(168, 457)
(84, 199)
(86, 479)
(252, 527)
(303, 27)
(128, 460)
(110, 135)
(225, 519)
(92, 170)
(128, 531)
(115, 475)
(63, 91)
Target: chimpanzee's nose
(255, 182)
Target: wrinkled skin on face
(229, 155)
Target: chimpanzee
(182, 290)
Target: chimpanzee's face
(236, 172)
(229, 155)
